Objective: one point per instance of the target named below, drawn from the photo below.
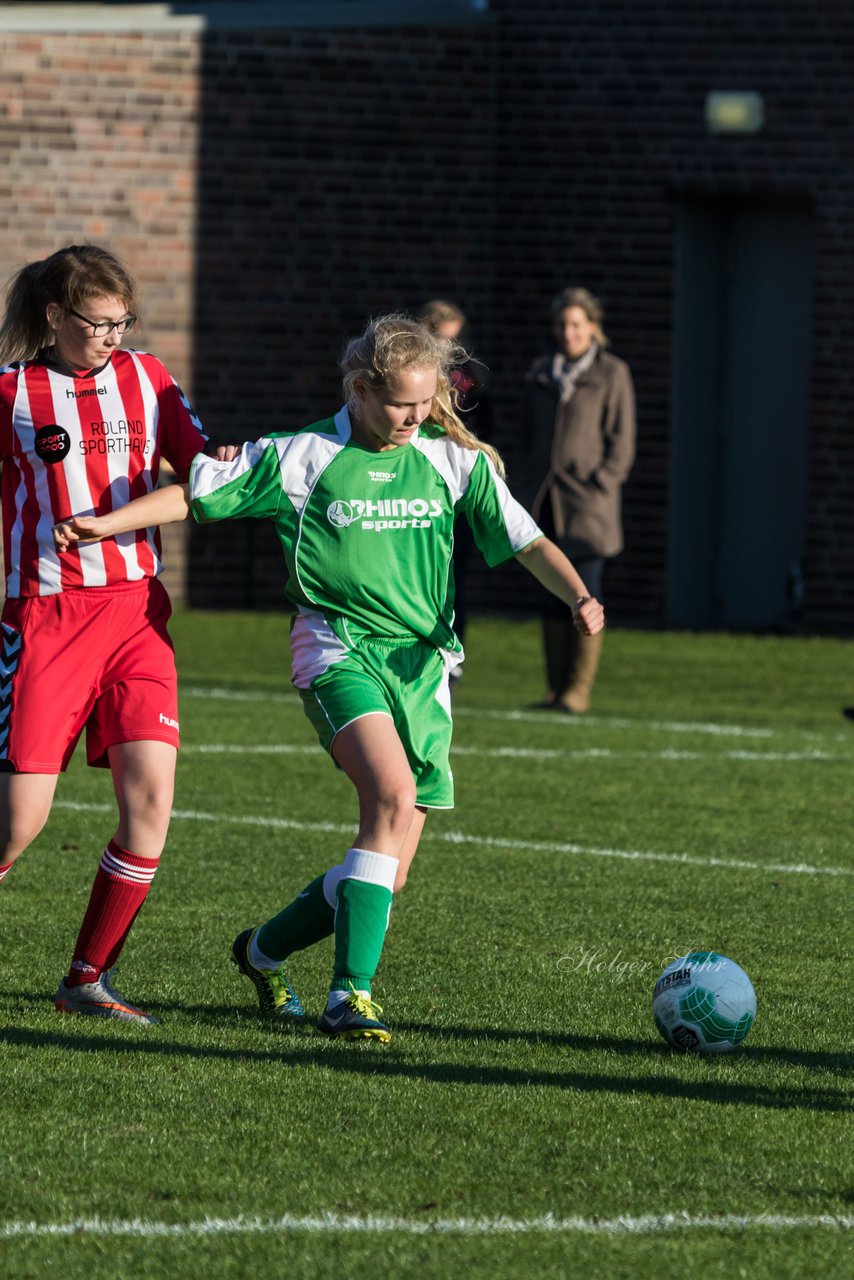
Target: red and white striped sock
(120, 888)
(4, 871)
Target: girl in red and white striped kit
(83, 427)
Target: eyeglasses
(100, 328)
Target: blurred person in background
(447, 322)
(578, 451)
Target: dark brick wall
(341, 175)
(272, 189)
(600, 132)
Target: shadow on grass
(374, 1061)
(609, 1044)
(237, 1016)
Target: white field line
(485, 842)
(538, 753)
(485, 713)
(606, 722)
(340, 1224)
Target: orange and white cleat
(100, 1000)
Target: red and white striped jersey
(85, 445)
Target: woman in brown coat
(580, 449)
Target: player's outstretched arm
(161, 506)
(169, 505)
(558, 574)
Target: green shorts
(406, 680)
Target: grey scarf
(567, 373)
(565, 377)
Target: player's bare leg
(143, 779)
(372, 755)
(25, 803)
(410, 847)
(144, 783)
(260, 954)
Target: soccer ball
(704, 1003)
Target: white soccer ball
(704, 1002)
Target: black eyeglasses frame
(105, 326)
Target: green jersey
(367, 536)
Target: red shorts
(96, 657)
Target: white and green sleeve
(251, 485)
(501, 526)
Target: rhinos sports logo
(388, 513)
(343, 513)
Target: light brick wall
(98, 143)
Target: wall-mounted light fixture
(734, 111)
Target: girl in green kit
(364, 504)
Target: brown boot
(559, 648)
(576, 699)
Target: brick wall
(600, 132)
(273, 188)
(98, 142)
(354, 178)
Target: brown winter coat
(579, 453)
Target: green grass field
(526, 1119)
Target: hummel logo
(86, 391)
(173, 724)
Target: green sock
(307, 920)
(360, 925)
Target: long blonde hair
(395, 342)
(67, 278)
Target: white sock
(338, 997)
(256, 956)
(330, 884)
(373, 868)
